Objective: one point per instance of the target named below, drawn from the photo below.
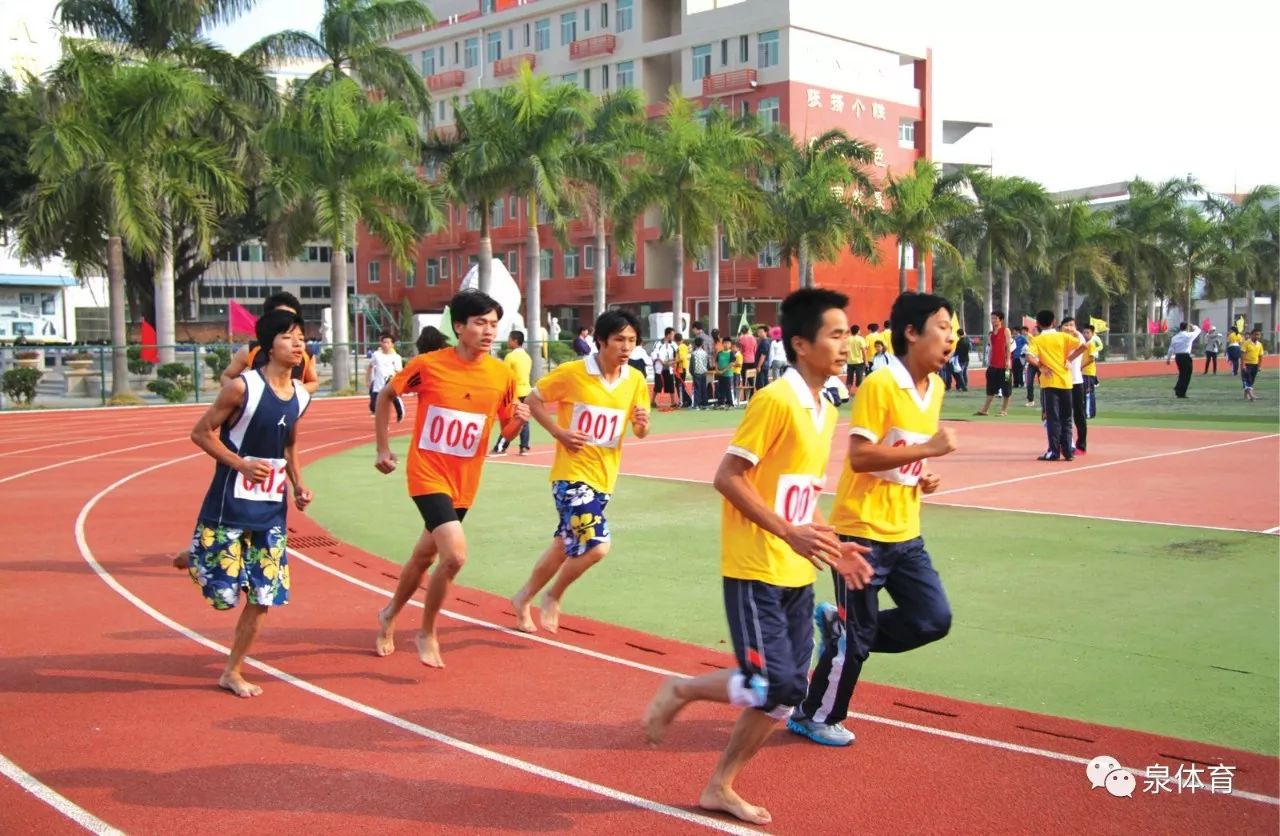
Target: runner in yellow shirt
(772, 542)
(1251, 352)
(1052, 351)
(521, 364)
(857, 365)
(598, 397)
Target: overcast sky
(1081, 93)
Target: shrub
(173, 383)
(20, 384)
(126, 399)
(80, 355)
(560, 352)
(27, 355)
(326, 356)
(137, 365)
(217, 359)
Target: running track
(110, 714)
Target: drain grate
(312, 541)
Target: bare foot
(429, 650)
(236, 684)
(725, 800)
(662, 709)
(524, 618)
(182, 561)
(549, 613)
(385, 644)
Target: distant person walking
(1234, 339)
(1212, 348)
(1180, 351)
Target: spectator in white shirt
(1180, 350)
(383, 365)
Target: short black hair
(1235, 330)
(888, 323)
(800, 315)
(998, 314)
(1067, 320)
(698, 324)
(385, 335)
(1182, 326)
(271, 325)
(283, 299)
(469, 303)
(613, 321)
(1088, 325)
(873, 327)
(697, 342)
(668, 332)
(855, 328)
(912, 310)
(746, 329)
(1044, 319)
(431, 339)
(518, 336)
(583, 330)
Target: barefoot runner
(772, 542)
(460, 392)
(251, 431)
(598, 397)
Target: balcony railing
(656, 110)
(447, 80)
(511, 64)
(734, 81)
(591, 47)
(452, 20)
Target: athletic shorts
(998, 383)
(772, 632)
(437, 509)
(582, 524)
(225, 561)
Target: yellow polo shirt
(888, 410)
(600, 409)
(786, 435)
(521, 364)
(1052, 348)
(1251, 353)
(857, 349)
(682, 357)
(1090, 366)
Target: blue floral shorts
(582, 523)
(227, 560)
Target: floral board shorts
(582, 523)
(227, 560)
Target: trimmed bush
(20, 384)
(217, 360)
(173, 383)
(137, 365)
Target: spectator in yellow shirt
(857, 368)
(1251, 352)
(521, 364)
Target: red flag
(149, 352)
(239, 319)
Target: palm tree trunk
(166, 330)
(991, 287)
(1249, 311)
(599, 275)
(1231, 311)
(902, 266)
(1133, 324)
(677, 282)
(1004, 291)
(920, 277)
(119, 335)
(339, 315)
(800, 267)
(713, 281)
(1275, 300)
(1151, 338)
(484, 264)
(1072, 298)
(1191, 283)
(533, 287)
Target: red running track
(108, 699)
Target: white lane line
(1275, 530)
(367, 710)
(55, 799)
(1064, 470)
(1002, 509)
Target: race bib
(797, 497)
(270, 489)
(451, 432)
(908, 474)
(602, 425)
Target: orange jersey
(457, 403)
(305, 371)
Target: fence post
(195, 369)
(102, 373)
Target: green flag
(446, 325)
(744, 324)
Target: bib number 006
(451, 432)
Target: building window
(456, 59)
(767, 49)
(586, 19)
(724, 247)
(701, 260)
(567, 78)
(604, 77)
(495, 214)
(744, 108)
(626, 75)
(428, 62)
(701, 61)
(251, 252)
(545, 264)
(544, 214)
(568, 28)
(724, 52)
(626, 263)
(907, 133)
(513, 263)
(604, 15)
(769, 111)
(493, 47)
(320, 255)
(743, 45)
(542, 34)
(440, 59)
(411, 276)
(511, 39)
(588, 257)
(473, 220)
(571, 262)
(769, 256)
(471, 56)
(375, 272)
(433, 272)
(586, 79)
(622, 20)
(486, 7)
(513, 207)
(440, 113)
(528, 30)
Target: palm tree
(1247, 254)
(957, 281)
(1005, 228)
(1080, 242)
(1143, 226)
(352, 41)
(115, 147)
(921, 203)
(138, 30)
(1198, 238)
(341, 160)
(816, 213)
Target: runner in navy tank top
(251, 431)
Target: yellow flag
(1240, 324)
(955, 328)
(1099, 325)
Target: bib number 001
(796, 499)
(451, 432)
(602, 426)
(270, 489)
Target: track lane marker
(55, 799)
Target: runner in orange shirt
(460, 392)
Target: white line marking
(367, 710)
(1275, 530)
(87, 458)
(1063, 471)
(55, 799)
(1096, 517)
